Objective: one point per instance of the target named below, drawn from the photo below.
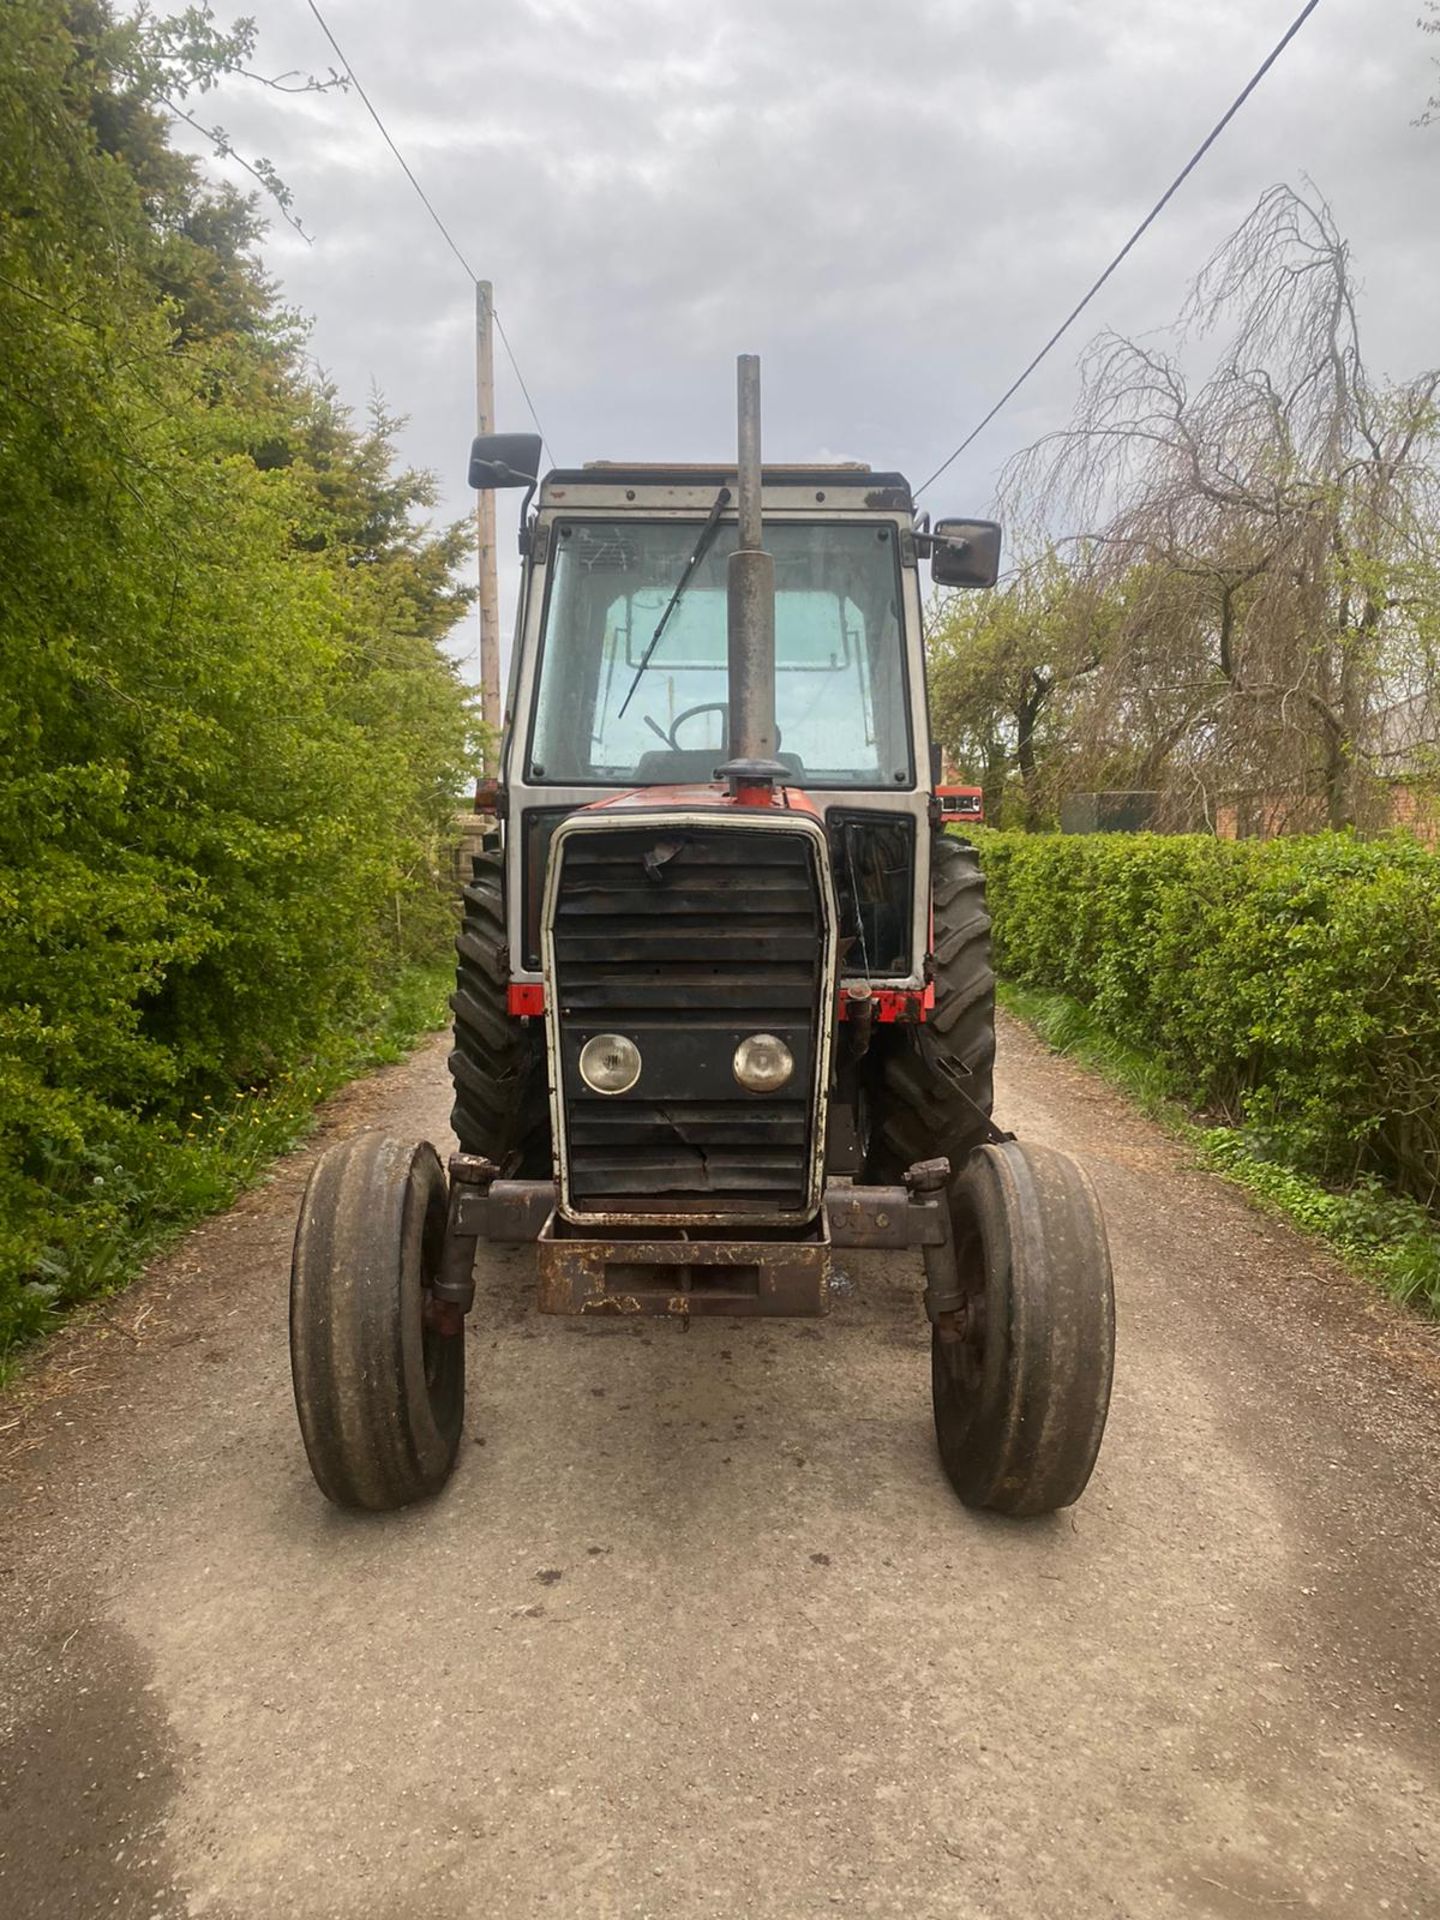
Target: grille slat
(718, 1123)
(688, 939)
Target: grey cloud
(892, 205)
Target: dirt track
(699, 1628)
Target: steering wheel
(722, 707)
(703, 706)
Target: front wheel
(379, 1379)
(1021, 1374)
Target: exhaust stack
(750, 614)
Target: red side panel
(907, 1005)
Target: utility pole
(485, 531)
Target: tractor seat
(690, 766)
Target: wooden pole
(485, 532)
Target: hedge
(231, 734)
(1291, 986)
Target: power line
(515, 368)
(1149, 220)
(385, 136)
(449, 238)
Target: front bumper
(637, 1271)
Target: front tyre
(1021, 1373)
(379, 1382)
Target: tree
(229, 733)
(1432, 25)
(1282, 513)
(1004, 670)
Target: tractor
(724, 1001)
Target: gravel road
(699, 1629)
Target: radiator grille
(687, 940)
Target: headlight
(763, 1063)
(609, 1063)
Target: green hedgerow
(1287, 987)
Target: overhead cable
(1149, 220)
(449, 238)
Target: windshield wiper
(697, 554)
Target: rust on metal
(945, 1291)
(445, 1317)
(881, 1219)
(507, 1210)
(684, 1277)
(453, 1289)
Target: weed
(143, 1181)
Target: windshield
(839, 665)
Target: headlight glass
(763, 1063)
(609, 1063)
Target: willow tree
(1284, 509)
(1432, 106)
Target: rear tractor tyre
(936, 1075)
(379, 1381)
(502, 1103)
(1021, 1375)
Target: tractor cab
(620, 678)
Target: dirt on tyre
(1021, 1374)
(379, 1382)
(497, 1064)
(934, 1077)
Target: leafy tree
(229, 734)
(1004, 670)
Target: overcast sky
(892, 205)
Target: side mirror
(504, 460)
(965, 553)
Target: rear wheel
(1021, 1373)
(497, 1065)
(934, 1076)
(379, 1381)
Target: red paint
(715, 798)
(966, 804)
(907, 1005)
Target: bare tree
(1282, 517)
(1432, 25)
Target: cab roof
(857, 487)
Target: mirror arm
(525, 517)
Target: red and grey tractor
(724, 1001)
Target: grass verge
(158, 1179)
(1390, 1240)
